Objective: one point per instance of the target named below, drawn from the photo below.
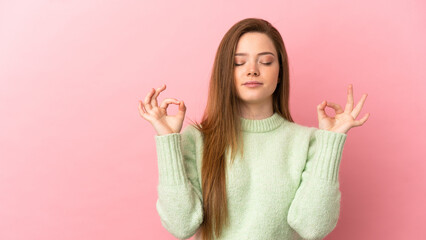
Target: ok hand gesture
(343, 120)
(157, 115)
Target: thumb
(321, 111)
(182, 109)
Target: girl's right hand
(157, 115)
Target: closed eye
(243, 63)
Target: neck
(257, 111)
(262, 125)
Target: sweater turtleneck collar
(262, 125)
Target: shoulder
(313, 134)
(299, 131)
(191, 133)
(190, 129)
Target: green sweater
(286, 187)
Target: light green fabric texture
(285, 187)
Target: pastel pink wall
(78, 162)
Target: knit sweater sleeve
(315, 209)
(179, 202)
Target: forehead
(254, 42)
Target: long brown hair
(220, 125)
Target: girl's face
(256, 60)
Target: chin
(251, 100)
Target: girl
(284, 182)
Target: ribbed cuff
(328, 154)
(171, 170)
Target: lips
(252, 82)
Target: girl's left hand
(343, 120)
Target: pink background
(78, 162)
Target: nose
(253, 71)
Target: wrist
(162, 130)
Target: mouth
(253, 83)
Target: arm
(316, 206)
(179, 203)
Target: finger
(147, 101)
(358, 107)
(167, 101)
(182, 110)
(350, 103)
(321, 111)
(157, 92)
(337, 108)
(140, 107)
(142, 111)
(143, 108)
(362, 120)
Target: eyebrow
(262, 53)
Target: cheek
(236, 75)
(273, 74)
